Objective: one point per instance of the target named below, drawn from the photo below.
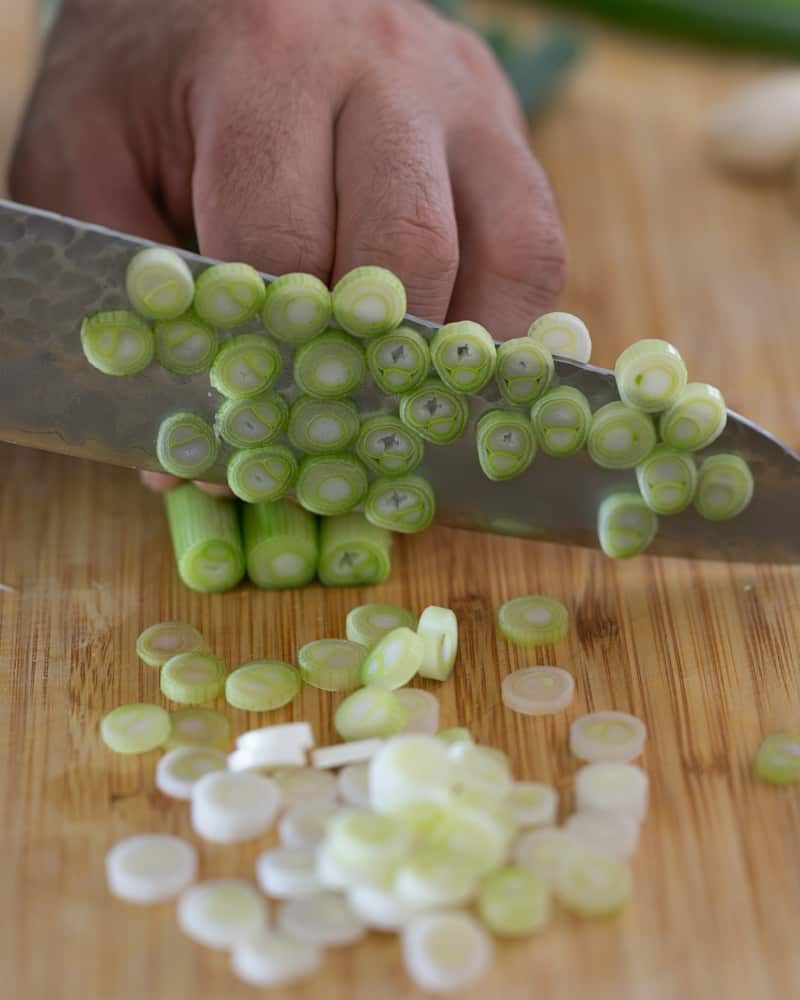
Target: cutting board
(707, 655)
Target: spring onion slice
(542, 851)
(696, 418)
(650, 375)
(393, 660)
(353, 552)
(159, 283)
(117, 343)
(408, 770)
(305, 785)
(186, 445)
(592, 884)
(305, 823)
(607, 736)
(422, 708)
(525, 369)
(438, 629)
(334, 874)
(667, 480)
(330, 366)
(331, 484)
(135, 728)
(280, 544)
(724, 487)
(193, 678)
(246, 366)
(436, 412)
(179, 770)
(228, 295)
(199, 727)
(399, 361)
(249, 423)
(463, 355)
(406, 504)
(322, 426)
(332, 664)
(533, 804)
(432, 879)
(612, 788)
(297, 735)
(266, 759)
(561, 420)
(368, 623)
(514, 902)
(206, 539)
(369, 301)
(617, 836)
(446, 952)
(288, 872)
(563, 334)
(625, 525)
(371, 712)
(222, 913)
(270, 958)
(297, 307)
(479, 769)
(379, 909)
(375, 842)
(166, 639)
(505, 443)
(150, 867)
(262, 685)
(325, 920)
(620, 436)
(186, 345)
(533, 620)
(387, 447)
(354, 752)
(353, 783)
(538, 690)
(228, 807)
(455, 734)
(262, 475)
(778, 759)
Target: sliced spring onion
(330, 366)
(387, 447)
(533, 620)
(625, 525)
(524, 370)
(353, 783)
(438, 629)
(393, 660)
(607, 736)
(262, 685)
(371, 712)
(179, 770)
(463, 355)
(617, 836)
(262, 475)
(409, 769)
(199, 727)
(353, 552)
(159, 283)
(505, 443)
(266, 759)
(379, 909)
(150, 867)
(229, 807)
(269, 958)
(422, 708)
(456, 734)
(479, 769)
(432, 879)
(297, 735)
(193, 678)
(228, 295)
(436, 412)
(249, 423)
(305, 824)
(297, 307)
(135, 728)
(563, 334)
(369, 301)
(331, 484)
(543, 850)
(696, 418)
(650, 375)
(667, 480)
(246, 366)
(538, 690)
(280, 544)
(332, 664)
(222, 913)
(533, 804)
(561, 421)
(778, 759)
(368, 623)
(446, 952)
(423, 819)
(325, 920)
(117, 343)
(724, 487)
(592, 884)
(620, 436)
(514, 902)
(322, 426)
(288, 872)
(305, 785)
(406, 504)
(374, 842)
(186, 445)
(355, 752)
(186, 345)
(166, 639)
(612, 788)
(206, 539)
(399, 361)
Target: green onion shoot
(331, 484)
(117, 343)
(353, 552)
(297, 307)
(252, 422)
(505, 443)
(463, 355)
(387, 447)
(186, 345)
(667, 480)
(724, 487)
(620, 436)
(369, 301)
(696, 418)
(280, 544)
(259, 475)
(561, 420)
(159, 283)
(330, 366)
(228, 295)
(435, 412)
(650, 375)
(186, 445)
(625, 525)
(524, 370)
(206, 539)
(322, 426)
(406, 504)
(399, 361)
(246, 366)
(563, 334)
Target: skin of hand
(313, 136)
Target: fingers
(160, 482)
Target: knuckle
(391, 29)
(475, 55)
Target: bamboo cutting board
(708, 654)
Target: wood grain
(707, 654)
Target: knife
(54, 271)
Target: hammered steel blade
(54, 271)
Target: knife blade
(54, 271)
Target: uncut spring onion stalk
(533, 620)
(370, 713)
(387, 447)
(505, 443)
(667, 479)
(561, 420)
(186, 445)
(331, 484)
(563, 334)
(297, 307)
(368, 623)
(252, 422)
(157, 643)
(650, 375)
(262, 475)
(696, 418)
(399, 361)
(514, 902)
(262, 685)
(438, 629)
(117, 343)
(778, 759)
(724, 487)
(620, 436)
(406, 504)
(186, 345)
(332, 664)
(280, 544)
(369, 301)
(135, 728)
(524, 370)
(150, 867)
(159, 283)
(322, 426)
(246, 366)
(206, 539)
(436, 412)
(625, 525)
(330, 366)
(228, 295)
(463, 355)
(353, 552)
(193, 678)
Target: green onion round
(563, 334)
(353, 552)
(464, 355)
(387, 447)
(186, 345)
(159, 283)
(405, 504)
(399, 361)
(117, 343)
(620, 436)
(724, 487)
(561, 421)
(331, 484)
(650, 375)
(296, 308)
(228, 295)
(533, 620)
(322, 426)
(250, 423)
(369, 301)
(371, 712)
(368, 623)
(259, 475)
(506, 444)
(332, 664)
(193, 678)
(435, 412)
(667, 480)
(246, 366)
(329, 366)
(262, 685)
(696, 418)
(625, 525)
(525, 369)
(186, 446)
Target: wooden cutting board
(708, 655)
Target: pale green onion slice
(455, 734)
(206, 539)
(332, 664)
(330, 366)
(186, 345)
(696, 418)
(186, 445)
(228, 808)
(117, 343)
(463, 355)
(297, 307)
(387, 447)
(331, 484)
(280, 543)
(288, 872)
(543, 850)
(612, 788)
(438, 629)
(488, 802)
(304, 785)
(228, 295)
(269, 958)
(505, 443)
(592, 884)
(561, 421)
(246, 366)
(446, 952)
(379, 909)
(650, 375)
(370, 622)
(563, 334)
(266, 759)
(533, 620)
(620, 436)
(370, 712)
(514, 902)
(533, 804)
(406, 504)
(353, 781)
(324, 920)
(135, 728)
(166, 639)
(436, 412)
(724, 487)
(353, 552)
(778, 759)
(422, 708)
(408, 770)
(193, 678)
(479, 769)
(298, 735)
(607, 736)
(305, 824)
(667, 480)
(538, 690)
(199, 727)
(375, 842)
(369, 301)
(525, 369)
(340, 754)
(334, 874)
(321, 426)
(159, 283)
(617, 836)
(262, 475)
(399, 361)
(423, 819)
(393, 660)
(179, 770)
(150, 867)
(625, 525)
(432, 879)
(222, 913)
(262, 685)
(250, 423)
